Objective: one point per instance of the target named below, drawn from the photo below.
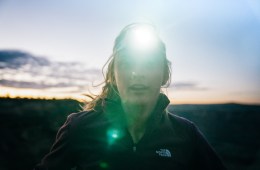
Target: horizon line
(82, 100)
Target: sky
(214, 46)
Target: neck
(136, 117)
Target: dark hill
(28, 128)
(233, 130)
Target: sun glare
(143, 38)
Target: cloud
(187, 86)
(15, 59)
(23, 70)
(27, 84)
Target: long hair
(109, 89)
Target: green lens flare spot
(113, 135)
(103, 165)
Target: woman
(127, 125)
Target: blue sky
(213, 45)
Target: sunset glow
(9, 92)
(57, 49)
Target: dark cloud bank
(23, 70)
(40, 72)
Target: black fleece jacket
(100, 140)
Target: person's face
(139, 78)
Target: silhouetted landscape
(28, 129)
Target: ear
(165, 79)
(165, 76)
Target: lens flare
(103, 165)
(143, 38)
(113, 135)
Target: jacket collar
(115, 113)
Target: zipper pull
(134, 148)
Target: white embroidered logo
(164, 153)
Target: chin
(138, 100)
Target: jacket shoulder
(82, 117)
(181, 126)
(179, 121)
(204, 156)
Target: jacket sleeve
(205, 156)
(60, 155)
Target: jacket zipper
(134, 148)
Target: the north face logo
(164, 153)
